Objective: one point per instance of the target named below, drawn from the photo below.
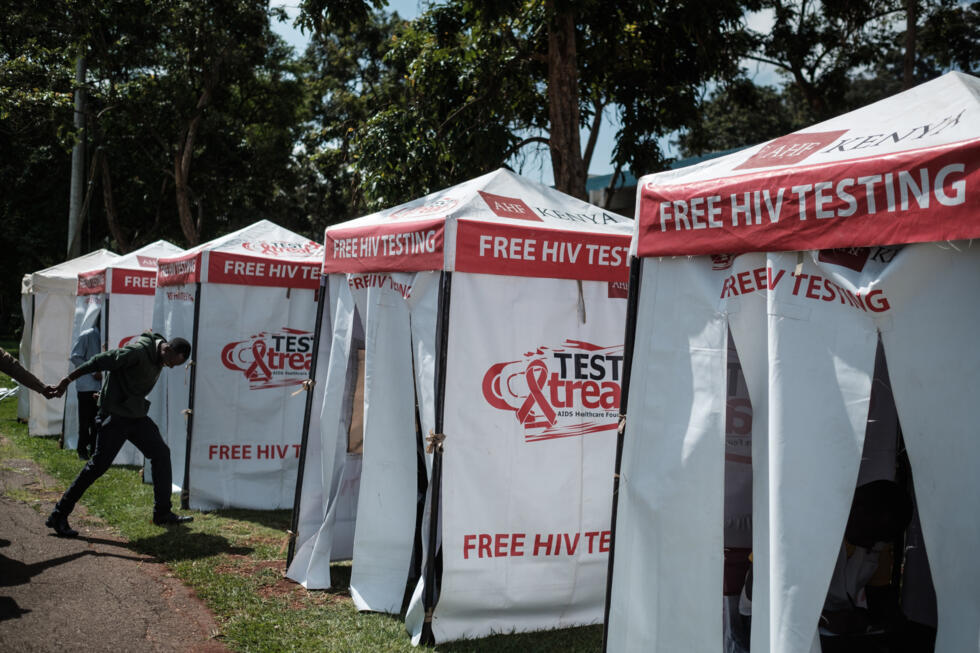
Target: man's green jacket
(132, 371)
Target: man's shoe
(59, 523)
(170, 519)
(83, 455)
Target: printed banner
(532, 401)
(918, 196)
(492, 248)
(133, 282)
(255, 271)
(91, 283)
(559, 392)
(400, 246)
(179, 271)
(253, 352)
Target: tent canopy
(63, 278)
(48, 303)
(893, 172)
(261, 254)
(134, 273)
(872, 197)
(499, 223)
(246, 302)
(478, 309)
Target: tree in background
(193, 115)
(834, 57)
(349, 78)
(483, 81)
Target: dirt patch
(91, 593)
(276, 585)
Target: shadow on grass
(275, 519)
(179, 543)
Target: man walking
(129, 373)
(89, 344)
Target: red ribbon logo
(271, 359)
(537, 379)
(559, 392)
(258, 370)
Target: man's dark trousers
(113, 431)
(87, 410)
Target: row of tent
(440, 391)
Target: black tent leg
(431, 595)
(185, 490)
(636, 266)
(305, 433)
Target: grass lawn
(235, 560)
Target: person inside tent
(89, 344)
(130, 373)
(880, 513)
(12, 367)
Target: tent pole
(429, 596)
(185, 490)
(64, 409)
(636, 267)
(104, 319)
(305, 433)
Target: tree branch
(597, 108)
(527, 141)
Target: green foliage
(835, 57)
(463, 89)
(149, 64)
(738, 114)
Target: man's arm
(107, 361)
(10, 365)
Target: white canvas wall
(253, 352)
(807, 332)
(531, 407)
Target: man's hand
(97, 376)
(52, 392)
(62, 386)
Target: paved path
(91, 593)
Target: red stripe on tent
(514, 250)
(179, 270)
(259, 271)
(133, 282)
(91, 283)
(925, 195)
(401, 247)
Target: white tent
(493, 313)
(48, 303)
(808, 249)
(120, 296)
(246, 302)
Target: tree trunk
(77, 164)
(911, 18)
(565, 143)
(185, 156)
(110, 207)
(182, 171)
